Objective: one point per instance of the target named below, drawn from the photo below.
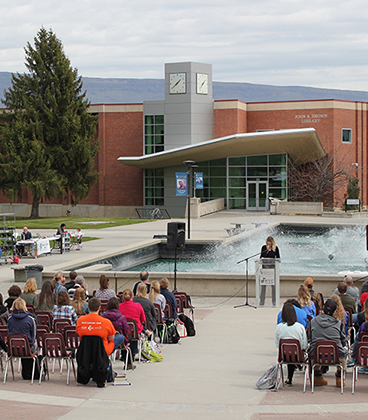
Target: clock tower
(188, 105)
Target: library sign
(310, 118)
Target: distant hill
(106, 91)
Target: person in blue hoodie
(301, 315)
(20, 322)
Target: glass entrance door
(257, 195)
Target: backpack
(172, 335)
(151, 351)
(189, 325)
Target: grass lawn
(73, 222)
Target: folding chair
(186, 303)
(4, 332)
(291, 353)
(363, 336)
(41, 330)
(160, 321)
(168, 312)
(18, 346)
(60, 324)
(321, 302)
(135, 336)
(103, 306)
(45, 318)
(326, 353)
(350, 325)
(71, 338)
(54, 348)
(30, 308)
(361, 360)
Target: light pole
(189, 164)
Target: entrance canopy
(303, 145)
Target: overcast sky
(320, 43)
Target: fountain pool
(311, 250)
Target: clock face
(177, 83)
(202, 83)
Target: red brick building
(228, 139)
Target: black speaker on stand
(175, 239)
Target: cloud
(320, 43)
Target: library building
(242, 151)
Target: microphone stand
(246, 281)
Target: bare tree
(320, 180)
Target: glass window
(346, 135)
(237, 182)
(159, 119)
(218, 162)
(149, 119)
(260, 160)
(257, 171)
(277, 192)
(154, 124)
(154, 187)
(237, 203)
(217, 192)
(218, 182)
(236, 171)
(237, 161)
(237, 192)
(218, 171)
(277, 160)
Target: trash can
(34, 271)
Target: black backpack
(189, 325)
(173, 336)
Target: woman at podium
(270, 250)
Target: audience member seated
(144, 278)
(346, 300)
(78, 283)
(133, 310)
(147, 305)
(326, 326)
(14, 293)
(352, 291)
(340, 312)
(351, 361)
(305, 301)
(95, 324)
(20, 322)
(71, 282)
(4, 313)
(301, 316)
(290, 328)
(63, 309)
(309, 283)
(30, 288)
(156, 297)
(79, 302)
(104, 292)
(170, 297)
(58, 282)
(361, 317)
(45, 300)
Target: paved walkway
(209, 376)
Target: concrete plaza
(209, 376)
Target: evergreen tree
(47, 136)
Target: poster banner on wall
(199, 180)
(181, 184)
